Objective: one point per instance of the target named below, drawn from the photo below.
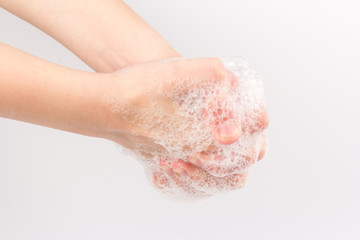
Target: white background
(57, 185)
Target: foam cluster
(188, 132)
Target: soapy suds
(188, 132)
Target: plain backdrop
(58, 185)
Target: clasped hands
(152, 85)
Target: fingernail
(228, 133)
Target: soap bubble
(187, 135)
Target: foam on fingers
(224, 118)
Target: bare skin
(106, 34)
(87, 29)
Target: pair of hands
(127, 100)
(62, 103)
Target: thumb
(225, 128)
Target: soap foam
(186, 132)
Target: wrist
(114, 88)
(122, 96)
(111, 60)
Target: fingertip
(261, 122)
(264, 120)
(155, 180)
(227, 133)
(262, 151)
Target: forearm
(105, 34)
(43, 93)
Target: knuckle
(217, 68)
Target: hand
(106, 35)
(149, 87)
(155, 84)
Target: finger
(201, 181)
(225, 128)
(232, 79)
(264, 120)
(210, 164)
(214, 164)
(184, 168)
(202, 73)
(261, 122)
(180, 169)
(159, 180)
(238, 181)
(203, 187)
(200, 159)
(218, 165)
(212, 184)
(175, 181)
(196, 73)
(203, 178)
(166, 167)
(263, 150)
(254, 155)
(227, 132)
